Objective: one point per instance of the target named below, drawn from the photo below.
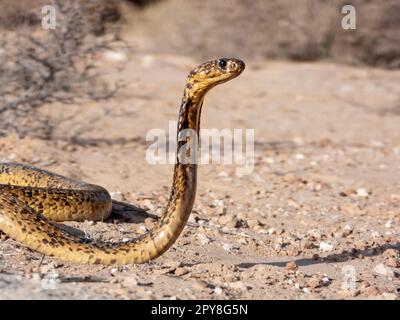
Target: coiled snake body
(31, 197)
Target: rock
(227, 247)
(293, 204)
(129, 282)
(325, 246)
(181, 271)
(291, 265)
(117, 195)
(147, 204)
(114, 55)
(347, 230)
(389, 224)
(344, 293)
(50, 281)
(218, 203)
(221, 210)
(113, 271)
(326, 281)
(218, 290)
(392, 258)
(223, 174)
(360, 245)
(361, 192)
(389, 296)
(269, 160)
(375, 234)
(314, 282)
(171, 264)
(203, 239)
(228, 221)
(392, 262)
(291, 178)
(351, 209)
(306, 244)
(238, 285)
(149, 223)
(199, 285)
(382, 270)
(371, 291)
(252, 223)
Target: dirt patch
(319, 216)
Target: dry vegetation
(53, 65)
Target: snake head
(209, 74)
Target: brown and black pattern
(31, 198)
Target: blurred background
(41, 66)
(304, 30)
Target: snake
(33, 200)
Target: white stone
(382, 270)
(218, 290)
(389, 224)
(117, 195)
(269, 160)
(227, 247)
(114, 270)
(362, 192)
(203, 239)
(325, 246)
(115, 56)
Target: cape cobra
(32, 199)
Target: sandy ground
(319, 216)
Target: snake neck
(184, 183)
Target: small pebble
(113, 270)
(382, 270)
(314, 282)
(227, 247)
(228, 221)
(326, 281)
(389, 296)
(203, 239)
(291, 265)
(218, 290)
(306, 244)
(325, 246)
(238, 285)
(361, 192)
(117, 195)
(181, 271)
(371, 291)
(389, 224)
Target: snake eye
(222, 64)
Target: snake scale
(32, 199)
